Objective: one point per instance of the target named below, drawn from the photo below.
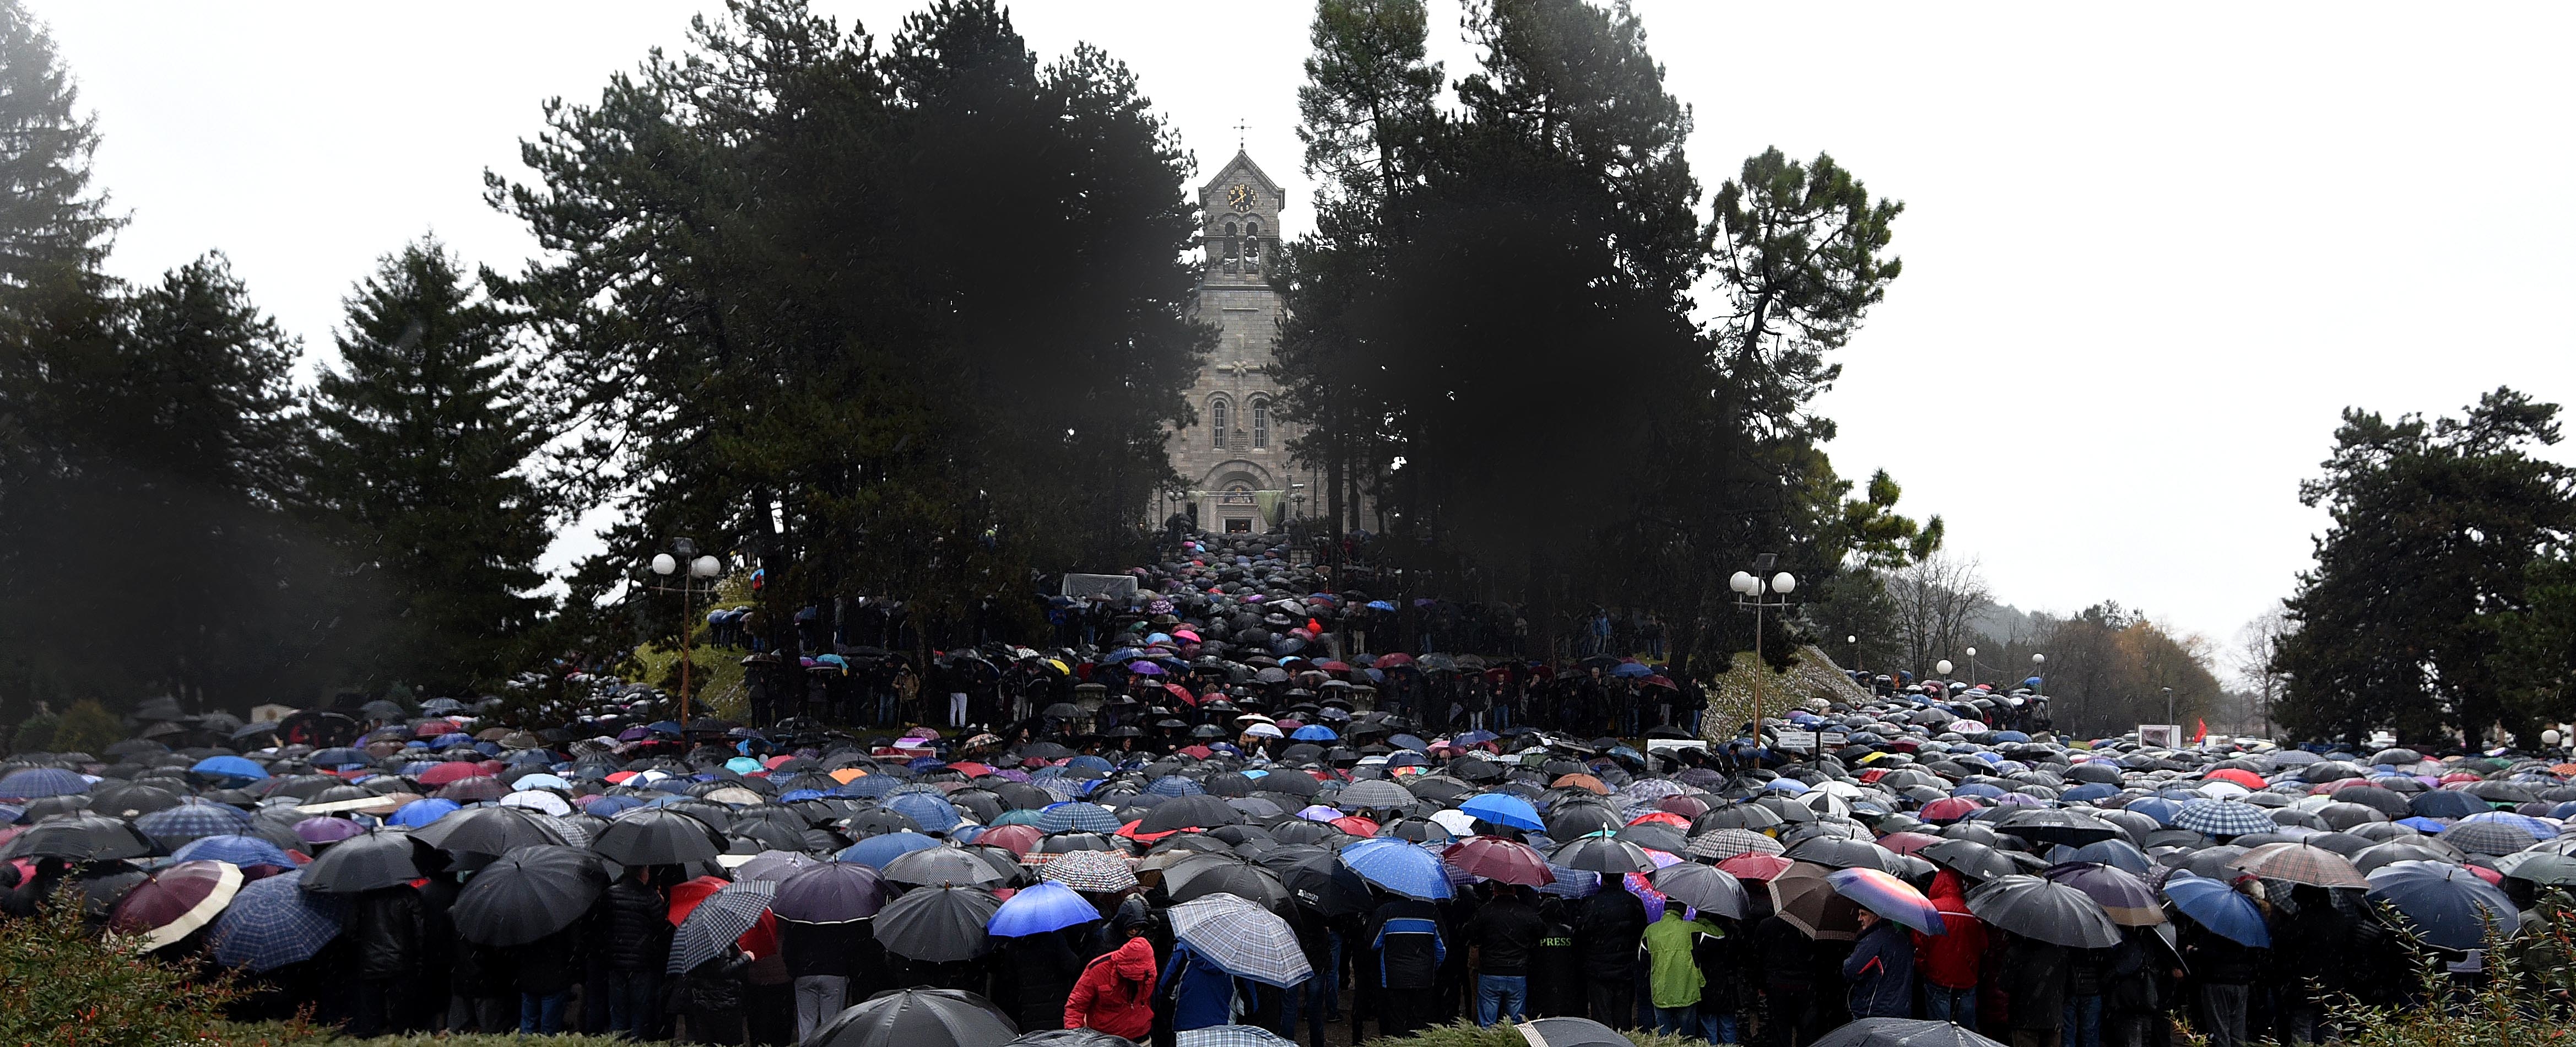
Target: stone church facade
(1234, 457)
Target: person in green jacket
(1672, 975)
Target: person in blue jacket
(1202, 994)
(1880, 971)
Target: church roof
(1239, 169)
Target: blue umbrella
(1175, 786)
(1077, 816)
(2118, 854)
(1504, 809)
(1049, 906)
(230, 767)
(2156, 807)
(1088, 762)
(1633, 670)
(238, 850)
(273, 922)
(1315, 732)
(2218, 907)
(2538, 829)
(933, 813)
(875, 851)
(2447, 803)
(2089, 791)
(1399, 866)
(2448, 905)
(173, 826)
(2428, 826)
(871, 786)
(418, 813)
(36, 783)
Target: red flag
(2200, 729)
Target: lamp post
(2036, 661)
(2169, 713)
(1854, 641)
(702, 570)
(1754, 592)
(1972, 666)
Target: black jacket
(820, 949)
(1405, 957)
(1607, 929)
(1506, 934)
(634, 930)
(2035, 976)
(550, 964)
(383, 933)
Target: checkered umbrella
(274, 922)
(2489, 837)
(1242, 939)
(2223, 818)
(2300, 863)
(1373, 794)
(1721, 844)
(1231, 1036)
(1075, 815)
(1102, 871)
(189, 822)
(717, 921)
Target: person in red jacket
(1116, 992)
(1948, 963)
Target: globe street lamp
(1752, 591)
(1854, 641)
(1942, 667)
(2036, 661)
(702, 571)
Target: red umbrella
(1334, 667)
(1662, 818)
(1389, 661)
(1355, 825)
(2238, 775)
(452, 772)
(176, 901)
(1500, 860)
(1750, 866)
(1907, 842)
(1182, 693)
(1949, 809)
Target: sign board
(1800, 741)
(1114, 586)
(2160, 735)
(1834, 740)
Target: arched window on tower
(1259, 408)
(1252, 246)
(1218, 421)
(1231, 247)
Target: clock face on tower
(1239, 197)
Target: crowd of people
(1319, 863)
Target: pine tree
(48, 218)
(421, 456)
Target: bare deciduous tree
(1936, 598)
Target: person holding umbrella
(1607, 929)
(1673, 978)
(1950, 964)
(1408, 942)
(634, 931)
(383, 937)
(1115, 992)
(1502, 938)
(1880, 969)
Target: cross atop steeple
(1239, 128)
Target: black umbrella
(932, 866)
(937, 924)
(1189, 812)
(2043, 909)
(1702, 887)
(527, 894)
(2048, 825)
(80, 836)
(1200, 875)
(1838, 853)
(919, 1018)
(1316, 877)
(830, 892)
(1968, 858)
(490, 831)
(1900, 1032)
(657, 836)
(1605, 856)
(372, 859)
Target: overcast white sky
(2150, 249)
